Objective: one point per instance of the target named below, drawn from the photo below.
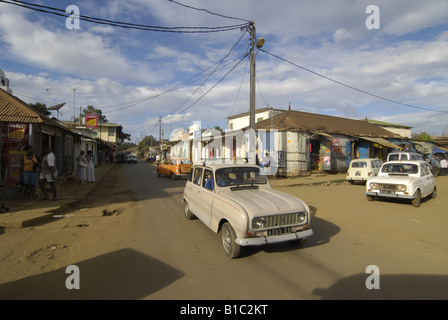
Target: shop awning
(383, 142)
(439, 150)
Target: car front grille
(280, 220)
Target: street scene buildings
(237, 151)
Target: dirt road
(130, 240)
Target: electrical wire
(208, 11)
(215, 67)
(349, 86)
(62, 13)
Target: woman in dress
(82, 167)
(90, 168)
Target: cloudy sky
(137, 76)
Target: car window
(234, 176)
(404, 157)
(359, 164)
(208, 180)
(425, 169)
(393, 157)
(197, 176)
(399, 168)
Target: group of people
(86, 169)
(31, 165)
(49, 172)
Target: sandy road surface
(146, 250)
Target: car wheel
(158, 173)
(370, 198)
(173, 176)
(228, 237)
(434, 193)
(188, 214)
(417, 199)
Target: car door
(427, 180)
(192, 189)
(205, 196)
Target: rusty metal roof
(12, 109)
(303, 121)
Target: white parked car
(412, 180)
(131, 158)
(363, 169)
(239, 202)
(404, 155)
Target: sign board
(16, 131)
(91, 120)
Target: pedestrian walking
(30, 164)
(49, 173)
(82, 167)
(444, 166)
(90, 168)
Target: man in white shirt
(49, 173)
(444, 166)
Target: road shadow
(323, 232)
(394, 287)
(125, 274)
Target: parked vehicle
(238, 202)
(131, 158)
(363, 169)
(404, 155)
(174, 167)
(412, 180)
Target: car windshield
(400, 168)
(236, 176)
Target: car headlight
(257, 223)
(301, 218)
(401, 188)
(373, 186)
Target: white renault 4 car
(239, 202)
(363, 169)
(412, 180)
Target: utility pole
(251, 156)
(259, 44)
(160, 130)
(74, 106)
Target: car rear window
(359, 164)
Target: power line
(208, 11)
(349, 86)
(128, 25)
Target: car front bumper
(387, 195)
(259, 241)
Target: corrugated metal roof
(12, 109)
(303, 121)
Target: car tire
(228, 237)
(370, 198)
(417, 199)
(434, 193)
(158, 172)
(187, 213)
(173, 176)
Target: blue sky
(132, 75)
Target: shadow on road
(122, 274)
(397, 287)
